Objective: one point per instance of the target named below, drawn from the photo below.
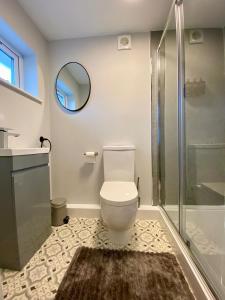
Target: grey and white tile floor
(202, 242)
(41, 277)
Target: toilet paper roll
(90, 154)
(90, 157)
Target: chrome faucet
(4, 134)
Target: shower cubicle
(188, 115)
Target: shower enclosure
(189, 111)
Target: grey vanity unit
(25, 217)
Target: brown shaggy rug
(102, 274)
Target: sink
(22, 151)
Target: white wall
(16, 111)
(118, 112)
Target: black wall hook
(42, 139)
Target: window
(18, 62)
(10, 65)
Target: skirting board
(94, 211)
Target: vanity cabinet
(25, 213)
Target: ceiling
(204, 13)
(64, 19)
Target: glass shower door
(203, 210)
(192, 131)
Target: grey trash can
(59, 212)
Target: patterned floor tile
(41, 277)
(202, 241)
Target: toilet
(119, 195)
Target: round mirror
(73, 86)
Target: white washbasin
(22, 151)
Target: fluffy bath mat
(102, 274)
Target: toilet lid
(119, 193)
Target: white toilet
(119, 195)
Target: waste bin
(59, 212)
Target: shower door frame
(179, 13)
(176, 6)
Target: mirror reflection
(73, 86)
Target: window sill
(20, 91)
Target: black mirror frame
(67, 109)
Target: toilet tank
(119, 163)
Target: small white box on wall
(196, 36)
(124, 42)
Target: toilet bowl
(119, 207)
(119, 195)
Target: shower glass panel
(203, 210)
(168, 121)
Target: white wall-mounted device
(196, 36)
(124, 42)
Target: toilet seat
(119, 193)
